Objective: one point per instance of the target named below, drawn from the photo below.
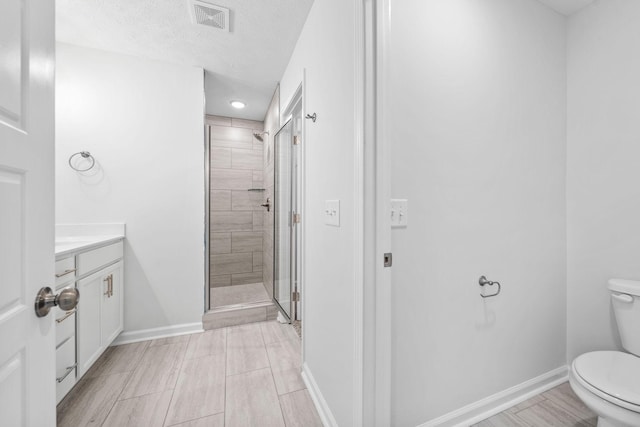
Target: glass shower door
(284, 241)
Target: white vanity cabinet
(100, 314)
(84, 333)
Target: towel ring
(85, 155)
(484, 282)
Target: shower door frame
(207, 207)
(293, 112)
(277, 214)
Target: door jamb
(207, 208)
(298, 98)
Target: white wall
(476, 122)
(603, 191)
(143, 122)
(325, 51)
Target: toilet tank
(625, 298)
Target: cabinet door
(112, 304)
(89, 339)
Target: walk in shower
(237, 219)
(236, 223)
(254, 201)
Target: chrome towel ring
(84, 155)
(484, 282)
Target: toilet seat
(611, 375)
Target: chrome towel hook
(84, 155)
(484, 282)
(313, 117)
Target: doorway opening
(253, 204)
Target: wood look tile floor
(241, 376)
(558, 407)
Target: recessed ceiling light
(238, 104)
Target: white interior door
(27, 349)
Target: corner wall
(476, 127)
(325, 56)
(143, 122)
(603, 191)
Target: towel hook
(84, 155)
(313, 117)
(484, 282)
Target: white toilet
(608, 382)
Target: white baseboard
(128, 337)
(498, 402)
(321, 405)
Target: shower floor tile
(238, 294)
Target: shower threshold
(238, 305)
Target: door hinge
(296, 296)
(296, 218)
(296, 140)
(388, 259)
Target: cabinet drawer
(65, 386)
(65, 324)
(65, 368)
(65, 271)
(92, 260)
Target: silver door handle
(67, 315)
(67, 300)
(73, 270)
(66, 374)
(109, 280)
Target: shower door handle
(267, 205)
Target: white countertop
(74, 238)
(71, 245)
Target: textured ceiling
(567, 7)
(245, 63)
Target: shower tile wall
(237, 164)
(272, 125)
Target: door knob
(67, 299)
(267, 205)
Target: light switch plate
(332, 213)
(399, 213)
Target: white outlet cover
(332, 213)
(399, 213)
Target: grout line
(131, 373)
(189, 421)
(175, 387)
(117, 399)
(149, 348)
(273, 378)
(248, 372)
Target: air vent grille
(210, 15)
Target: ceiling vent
(209, 14)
